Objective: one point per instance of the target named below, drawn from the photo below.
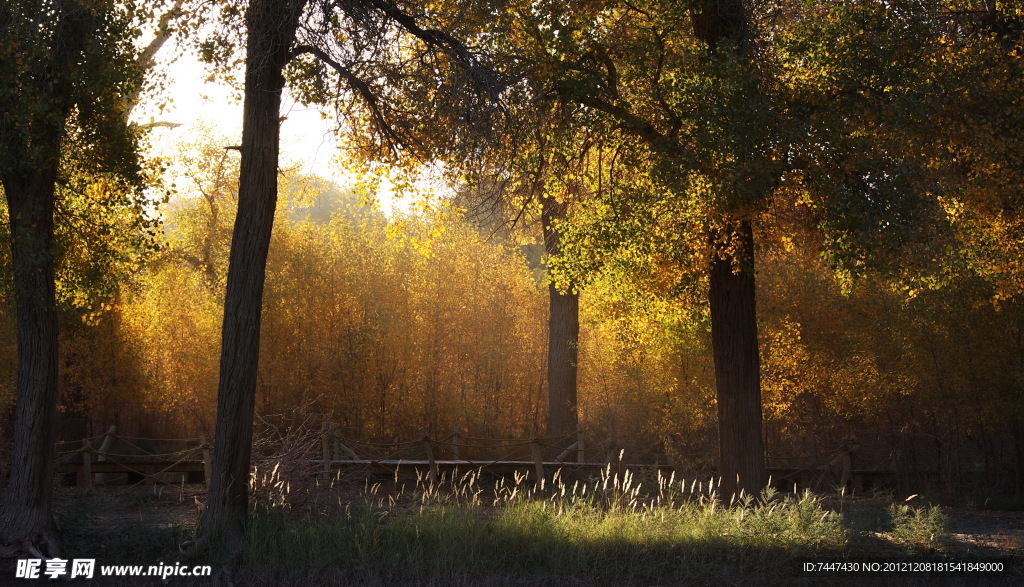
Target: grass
(917, 528)
(609, 529)
(469, 529)
(537, 539)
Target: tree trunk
(26, 522)
(737, 362)
(271, 31)
(563, 339)
(29, 180)
(732, 299)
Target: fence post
(538, 457)
(581, 439)
(342, 450)
(325, 445)
(207, 463)
(108, 439)
(429, 449)
(85, 481)
(611, 444)
(670, 448)
(564, 455)
(455, 444)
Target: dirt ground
(1000, 533)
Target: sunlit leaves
(383, 323)
(173, 323)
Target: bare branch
(159, 124)
(147, 59)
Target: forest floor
(122, 525)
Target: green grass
(608, 530)
(536, 539)
(917, 527)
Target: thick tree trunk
(26, 522)
(563, 340)
(29, 178)
(737, 361)
(563, 337)
(732, 299)
(271, 31)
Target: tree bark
(563, 339)
(734, 345)
(26, 522)
(271, 33)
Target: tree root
(41, 546)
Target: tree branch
(485, 78)
(159, 124)
(147, 59)
(359, 85)
(627, 120)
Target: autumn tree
(73, 74)
(551, 173)
(382, 324)
(273, 39)
(270, 30)
(626, 63)
(972, 143)
(68, 68)
(541, 180)
(563, 335)
(722, 107)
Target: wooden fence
(132, 463)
